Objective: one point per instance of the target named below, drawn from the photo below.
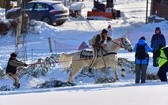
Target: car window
(29, 6)
(57, 6)
(41, 6)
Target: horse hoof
(90, 74)
(90, 69)
(70, 84)
(123, 70)
(123, 75)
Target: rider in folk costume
(98, 44)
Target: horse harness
(89, 54)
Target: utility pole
(20, 34)
(19, 26)
(151, 8)
(146, 11)
(50, 45)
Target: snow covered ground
(69, 36)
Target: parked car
(51, 12)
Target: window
(165, 2)
(29, 6)
(41, 6)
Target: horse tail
(66, 60)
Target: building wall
(160, 8)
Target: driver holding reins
(98, 44)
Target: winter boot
(17, 85)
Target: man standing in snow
(11, 69)
(141, 59)
(156, 40)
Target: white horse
(109, 60)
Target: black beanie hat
(13, 54)
(157, 28)
(143, 38)
(104, 31)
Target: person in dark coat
(11, 69)
(157, 39)
(141, 65)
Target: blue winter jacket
(148, 49)
(156, 40)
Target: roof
(77, 6)
(45, 1)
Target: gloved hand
(103, 45)
(25, 65)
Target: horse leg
(122, 69)
(115, 72)
(70, 78)
(123, 72)
(120, 63)
(72, 74)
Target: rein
(118, 43)
(122, 44)
(109, 53)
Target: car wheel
(59, 23)
(46, 20)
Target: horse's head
(126, 44)
(118, 43)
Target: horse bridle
(119, 44)
(122, 44)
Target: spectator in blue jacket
(156, 40)
(141, 65)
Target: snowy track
(73, 32)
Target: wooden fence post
(50, 46)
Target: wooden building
(160, 8)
